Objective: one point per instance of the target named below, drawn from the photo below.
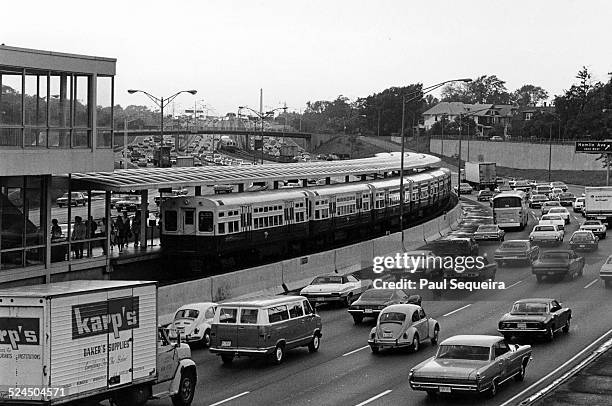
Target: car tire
(416, 345)
(206, 339)
(432, 394)
(521, 374)
(550, 334)
(375, 350)
(314, 344)
(539, 278)
(227, 359)
(436, 334)
(278, 355)
(348, 300)
(186, 391)
(357, 318)
(608, 284)
(566, 327)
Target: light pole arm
(157, 100)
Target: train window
(189, 217)
(205, 221)
(221, 228)
(171, 222)
(317, 214)
(221, 214)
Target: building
(486, 116)
(55, 119)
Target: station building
(56, 118)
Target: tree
(483, 90)
(528, 95)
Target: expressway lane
(343, 372)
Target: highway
(345, 372)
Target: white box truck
(85, 341)
(481, 175)
(598, 203)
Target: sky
(307, 50)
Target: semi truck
(481, 175)
(86, 341)
(598, 203)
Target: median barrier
(414, 235)
(348, 259)
(171, 297)
(299, 272)
(261, 280)
(388, 245)
(431, 231)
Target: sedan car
(546, 234)
(464, 188)
(535, 317)
(373, 301)
(596, 227)
(559, 185)
(335, 288)
(558, 263)
(471, 363)
(584, 241)
(554, 219)
(605, 273)
(129, 204)
(561, 211)
(546, 206)
(536, 201)
(403, 326)
(489, 232)
(517, 250)
(193, 322)
(566, 198)
(484, 195)
(578, 204)
(76, 199)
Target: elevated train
(223, 230)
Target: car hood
(449, 368)
(325, 288)
(523, 317)
(560, 262)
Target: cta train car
(288, 222)
(227, 144)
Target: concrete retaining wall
(519, 155)
(298, 272)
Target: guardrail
(545, 140)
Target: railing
(529, 140)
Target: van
(265, 327)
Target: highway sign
(594, 147)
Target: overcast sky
(298, 50)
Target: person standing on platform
(79, 232)
(126, 230)
(136, 229)
(119, 233)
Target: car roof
(197, 306)
(403, 307)
(557, 252)
(472, 339)
(535, 299)
(334, 274)
(262, 302)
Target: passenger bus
(510, 209)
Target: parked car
(605, 273)
(546, 206)
(484, 195)
(559, 185)
(403, 326)
(578, 204)
(193, 322)
(464, 188)
(470, 363)
(536, 201)
(489, 232)
(76, 199)
(373, 301)
(496, 138)
(517, 251)
(566, 198)
(561, 211)
(558, 263)
(129, 204)
(583, 240)
(335, 288)
(535, 317)
(266, 327)
(546, 234)
(596, 227)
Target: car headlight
(411, 373)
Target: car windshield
(392, 317)
(554, 256)
(187, 314)
(322, 280)
(552, 204)
(377, 294)
(609, 260)
(544, 228)
(591, 223)
(487, 229)
(552, 217)
(529, 307)
(566, 195)
(512, 245)
(539, 197)
(469, 352)
(582, 237)
(559, 210)
(580, 200)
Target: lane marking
(228, 399)
(373, 398)
(591, 284)
(357, 350)
(456, 310)
(544, 378)
(514, 284)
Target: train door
(188, 220)
(246, 219)
(289, 213)
(332, 210)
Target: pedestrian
(93, 227)
(125, 231)
(102, 233)
(79, 231)
(136, 229)
(56, 230)
(119, 233)
(113, 236)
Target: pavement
(345, 372)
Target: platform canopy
(126, 180)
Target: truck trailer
(481, 175)
(86, 341)
(598, 203)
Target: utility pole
(401, 216)
(549, 150)
(262, 123)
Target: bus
(511, 209)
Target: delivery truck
(598, 203)
(82, 342)
(481, 175)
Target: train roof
(257, 197)
(340, 188)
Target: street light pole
(549, 150)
